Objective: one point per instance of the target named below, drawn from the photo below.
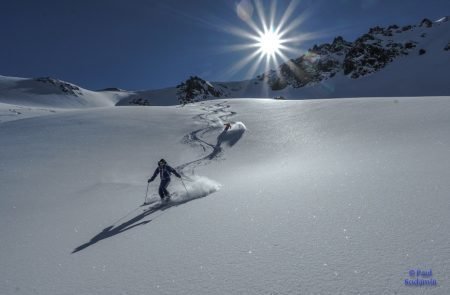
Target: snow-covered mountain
(392, 61)
(366, 55)
(192, 90)
(54, 93)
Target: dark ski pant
(163, 188)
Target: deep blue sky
(145, 44)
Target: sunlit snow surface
(337, 196)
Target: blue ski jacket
(164, 172)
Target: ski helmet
(162, 162)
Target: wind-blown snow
(316, 197)
(196, 187)
(233, 135)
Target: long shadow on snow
(230, 138)
(112, 230)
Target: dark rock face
(409, 45)
(426, 23)
(112, 89)
(64, 87)
(367, 54)
(364, 58)
(393, 27)
(422, 51)
(196, 89)
(407, 28)
(139, 101)
(447, 47)
(319, 63)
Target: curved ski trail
(198, 186)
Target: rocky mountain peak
(367, 54)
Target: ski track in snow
(198, 186)
(15, 112)
(214, 117)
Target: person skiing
(227, 126)
(164, 171)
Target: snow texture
(339, 196)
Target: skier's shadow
(230, 138)
(112, 230)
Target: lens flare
(270, 35)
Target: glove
(150, 180)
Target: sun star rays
(269, 36)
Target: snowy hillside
(53, 93)
(300, 197)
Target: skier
(164, 171)
(227, 126)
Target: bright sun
(271, 36)
(269, 43)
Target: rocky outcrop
(426, 23)
(195, 89)
(64, 87)
(368, 54)
(139, 101)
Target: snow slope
(9, 112)
(53, 93)
(339, 196)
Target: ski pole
(188, 179)
(185, 187)
(146, 192)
